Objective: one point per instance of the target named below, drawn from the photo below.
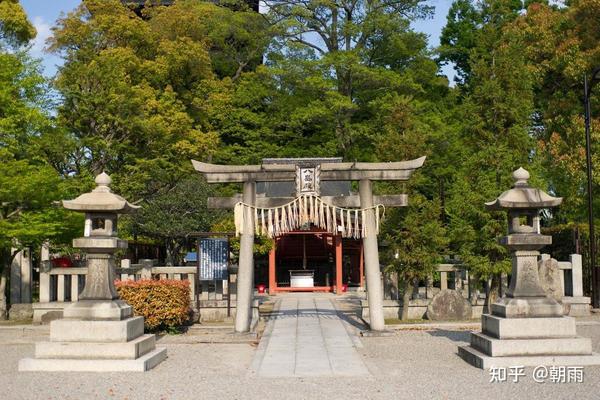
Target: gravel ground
(410, 365)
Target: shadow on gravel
(319, 313)
(352, 320)
(455, 336)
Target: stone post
(245, 278)
(44, 273)
(146, 271)
(26, 273)
(443, 280)
(20, 280)
(577, 275)
(371, 254)
(458, 282)
(429, 287)
(125, 265)
(15, 277)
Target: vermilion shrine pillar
(361, 267)
(337, 240)
(272, 267)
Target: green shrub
(164, 304)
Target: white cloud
(43, 33)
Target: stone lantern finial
(521, 176)
(523, 197)
(103, 181)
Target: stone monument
(98, 332)
(526, 327)
(550, 278)
(448, 305)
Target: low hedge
(164, 304)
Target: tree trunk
(3, 303)
(492, 292)
(406, 296)
(173, 248)
(6, 258)
(169, 247)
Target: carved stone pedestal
(527, 330)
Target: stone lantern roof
(101, 199)
(522, 196)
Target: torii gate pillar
(245, 277)
(371, 256)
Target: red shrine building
(310, 259)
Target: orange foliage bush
(163, 303)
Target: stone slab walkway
(307, 338)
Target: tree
(561, 45)
(170, 215)
(15, 28)
(28, 216)
(347, 55)
(459, 36)
(415, 235)
(495, 119)
(416, 240)
(119, 92)
(468, 24)
(132, 85)
(28, 184)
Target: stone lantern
(98, 332)
(99, 299)
(525, 296)
(526, 326)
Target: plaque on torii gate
(354, 216)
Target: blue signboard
(213, 259)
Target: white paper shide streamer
(303, 210)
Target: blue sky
(43, 14)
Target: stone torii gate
(305, 208)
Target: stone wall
(567, 284)
(417, 309)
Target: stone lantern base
(529, 342)
(527, 330)
(96, 336)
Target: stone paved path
(307, 338)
